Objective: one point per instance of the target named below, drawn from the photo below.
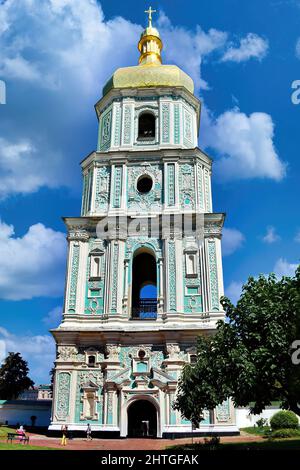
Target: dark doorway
(142, 420)
(144, 287)
(146, 126)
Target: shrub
(284, 433)
(284, 420)
(213, 442)
(260, 423)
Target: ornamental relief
(174, 353)
(73, 278)
(66, 353)
(213, 275)
(187, 186)
(112, 351)
(223, 411)
(95, 377)
(106, 130)
(102, 188)
(150, 201)
(78, 232)
(134, 242)
(214, 228)
(63, 395)
(127, 354)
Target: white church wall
(20, 411)
(244, 419)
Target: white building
(137, 298)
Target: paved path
(127, 444)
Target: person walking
(88, 432)
(64, 430)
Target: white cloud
(245, 144)
(297, 237)
(271, 235)
(55, 57)
(283, 268)
(22, 168)
(18, 67)
(32, 265)
(37, 350)
(252, 46)
(233, 291)
(53, 318)
(298, 49)
(187, 48)
(232, 240)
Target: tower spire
(150, 11)
(150, 44)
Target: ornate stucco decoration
(67, 353)
(112, 351)
(78, 233)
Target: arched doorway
(144, 286)
(142, 420)
(146, 130)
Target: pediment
(162, 377)
(89, 384)
(96, 252)
(121, 376)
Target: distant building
(44, 392)
(41, 392)
(30, 394)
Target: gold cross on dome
(150, 11)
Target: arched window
(91, 361)
(144, 287)
(146, 129)
(193, 359)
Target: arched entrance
(144, 286)
(142, 419)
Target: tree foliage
(14, 377)
(249, 357)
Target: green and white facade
(108, 358)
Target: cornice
(133, 156)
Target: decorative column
(125, 287)
(78, 249)
(213, 275)
(160, 283)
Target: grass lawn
(255, 430)
(4, 430)
(267, 444)
(16, 445)
(274, 444)
(5, 446)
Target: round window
(142, 354)
(144, 184)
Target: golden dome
(150, 72)
(145, 76)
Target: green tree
(52, 373)
(250, 356)
(14, 377)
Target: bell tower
(144, 274)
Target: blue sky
(55, 57)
